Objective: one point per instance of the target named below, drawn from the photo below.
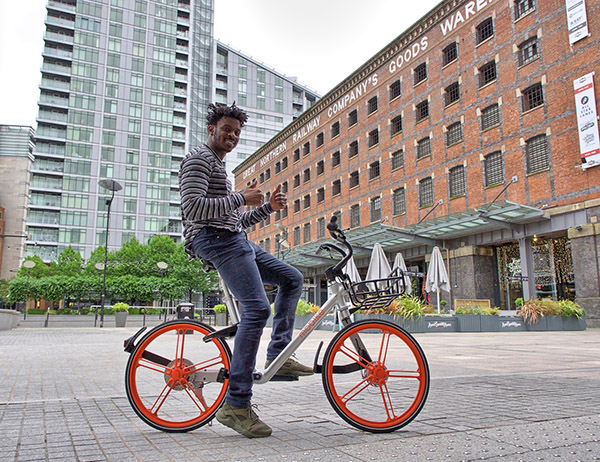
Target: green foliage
(36, 311)
(570, 308)
(530, 310)
(409, 307)
(305, 307)
(220, 308)
(469, 309)
(120, 307)
(519, 301)
(84, 310)
(4, 284)
(65, 311)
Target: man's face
(224, 136)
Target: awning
(488, 217)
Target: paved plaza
(527, 396)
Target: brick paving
(494, 396)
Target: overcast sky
(320, 42)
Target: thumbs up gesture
(278, 199)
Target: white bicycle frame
(339, 301)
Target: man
(213, 230)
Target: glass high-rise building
(117, 80)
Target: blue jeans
(245, 267)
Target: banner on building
(577, 20)
(587, 120)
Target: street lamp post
(112, 186)
(27, 264)
(162, 266)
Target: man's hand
(253, 194)
(278, 199)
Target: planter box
(221, 319)
(439, 323)
(490, 323)
(554, 322)
(414, 326)
(299, 321)
(469, 322)
(8, 319)
(540, 325)
(572, 323)
(511, 324)
(121, 318)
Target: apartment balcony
(46, 220)
(181, 77)
(56, 69)
(183, 34)
(42, 235)
(52, 116)
(46, 253)
(177, 135)
(50, 133)
(58, 53)
(182, 49)
(182, 92)
(184, 6)
(61, 22)
(53, 99)
(183, 20)
(179, 121)
(181, 63)
(69, 7)
(45, 203)
(55, 84)
(48, 166)
(59, 38)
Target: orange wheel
(175, 381)
(375, 376)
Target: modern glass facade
(114, 98)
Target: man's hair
(218, 111)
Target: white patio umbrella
(437, 277)
(400, 264)
(379, 266)
(351, 270)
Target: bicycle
(375, 374)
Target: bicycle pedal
(284, 378)
(226, 332)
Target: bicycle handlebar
(335, 271)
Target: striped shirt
(207, 198)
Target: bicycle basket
(377, 293)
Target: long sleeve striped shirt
(207, 198)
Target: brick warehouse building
(462, 133)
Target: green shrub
(518, 301)
(84, 310)
(305, 307)
(409, 307)
(549, 307)
(52, 312)
(120, 307)
(570, 308)
(469, 309)
(36, 311)
(64, 311)
(220, 308)
(531, 310)
(135, 311)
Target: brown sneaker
(243, 420)
(292, 367)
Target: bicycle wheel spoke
(204, 365)
(159, 402)
(385, 343)
(353, 355)
(179, 346)
(196, 399)
(151, 366)
(355, 391)
(387, 402)
(405, 374)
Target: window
(335, 130)
(494, 171)
(537, 154)
(490, 117)
(353, 118)
(533, 97)
(296, 205)
(320, 167)
(426, 192)
(375, 209)
(354, 181)
(528, 51)
(374, 170)
(372, 105)
(296, 181)
(277, 167)
(306, 229)
(449, 54)
(399, 201)
(320, 139)
(296, 155)
(297, 236)
(395, 90)
(335, 159)
(306, 175)
(336, 187)
(396, 125)
(487, 73)
(268, 174)
(423, 148)
(355, 216)
(373, 138)
(353, 151)
(306, 201)
(457, 181)
(420, 73)
(522, 7)
(306, 149)
(321, 228)
(320, 195)
(454, 134)
(485, 30)
(452, 93)
(398, 159)
(284, 187)
(422, 111)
